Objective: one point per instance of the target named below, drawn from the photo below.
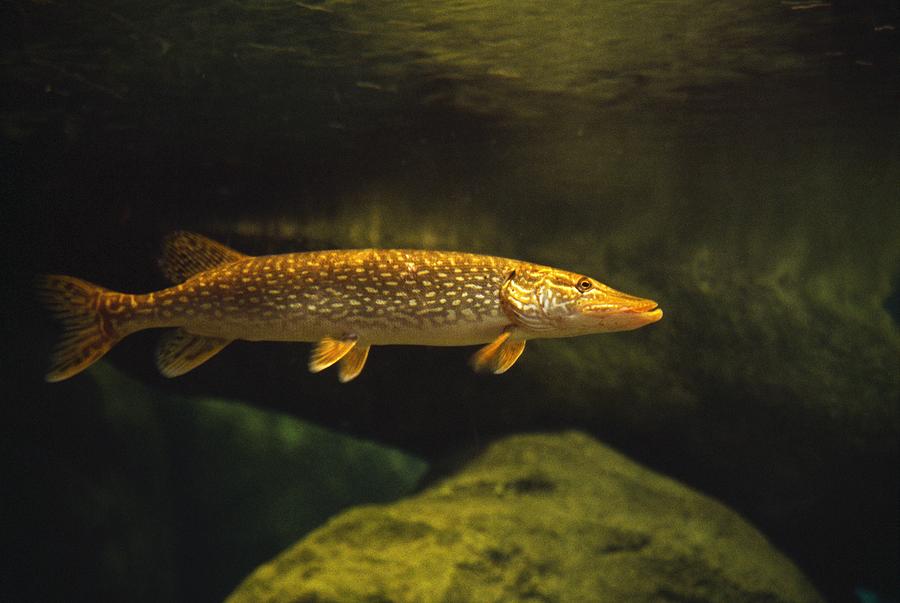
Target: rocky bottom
(545, 517)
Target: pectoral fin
(352, 363)
(180, 351)
(499, 355)
(329, 350)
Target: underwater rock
(141, 496)
(556, 517)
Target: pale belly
(479, 330)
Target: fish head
(546, 302)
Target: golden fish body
(381, 296)
(345, 300)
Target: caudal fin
(75, 303)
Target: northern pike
(343, 300)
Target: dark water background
(739, 163)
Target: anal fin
(180, 351)
(499, 355)
(330, 350)
(352, 363)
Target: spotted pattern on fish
(356, 298)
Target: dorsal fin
(188, 253)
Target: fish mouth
(643, 306)
(651, 315)
(648, 311)
(634, 314)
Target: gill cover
(523, 297)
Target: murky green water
(739, 164)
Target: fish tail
(87, 335)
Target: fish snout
(638, 313)
(622, 312)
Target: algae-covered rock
(536, 518)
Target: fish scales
(381, 296)
(344, 300)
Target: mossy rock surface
(556, 517)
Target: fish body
(345, 300)
(384, 297)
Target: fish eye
(584, 284)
